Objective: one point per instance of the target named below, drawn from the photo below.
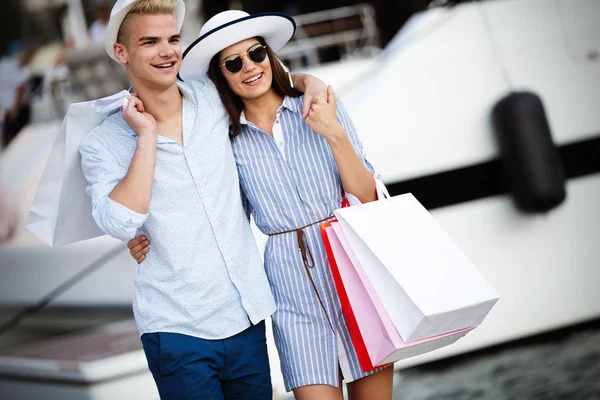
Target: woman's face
(255, 78)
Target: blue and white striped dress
(287, 187)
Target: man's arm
(315, 91)
(120, 195)
(134, 191)
(103, 172)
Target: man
(163, 168)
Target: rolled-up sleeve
(102, 173)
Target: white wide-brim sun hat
(117, 15)
(230, 27)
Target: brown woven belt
(307, 258)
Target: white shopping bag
(426, 283)
(61, 212)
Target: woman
(293, 173)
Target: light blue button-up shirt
(203, 275)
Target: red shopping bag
(355, 335)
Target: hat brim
(277, 29)
(114, 24)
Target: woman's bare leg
(318, 392)
(373, 387)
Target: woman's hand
(138, 248)
(322, 118)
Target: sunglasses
(256, 53)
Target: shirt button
(276, 121)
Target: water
(555, 366)
(562, 365)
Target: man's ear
(120, 53)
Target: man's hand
(315, 93)
(322, 117)
(138, 248)
(138, 119)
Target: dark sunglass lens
(234, 65)
(258, 54)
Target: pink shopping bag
(378, 334)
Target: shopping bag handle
(345, 202)
(122, 102)
(382, 193)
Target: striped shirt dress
(290, 181)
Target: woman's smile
(254, 79)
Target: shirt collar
(186, 93)
(243, 119)
(290, 103)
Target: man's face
(151, 52)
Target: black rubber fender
(531, 161)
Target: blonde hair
(145, 7)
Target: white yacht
(424, 108)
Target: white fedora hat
(230, 27)
(117, 15)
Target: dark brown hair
(232, 102)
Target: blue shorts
(187, 367)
